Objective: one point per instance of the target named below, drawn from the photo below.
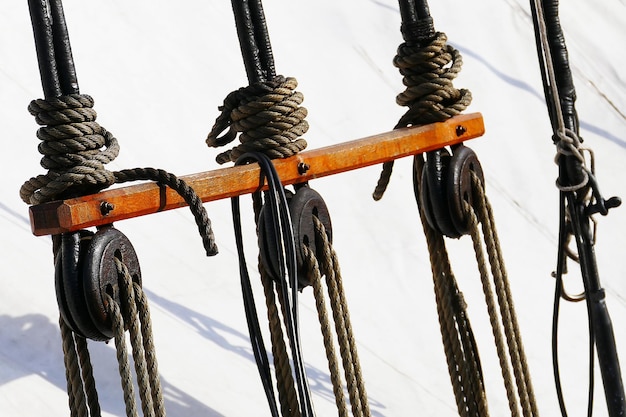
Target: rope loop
(268, 117)
(72, 145)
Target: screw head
(106, 208)
(303, 168)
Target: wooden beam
(146, 198)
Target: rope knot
(71, 145)
(428, 73)
(268, 117)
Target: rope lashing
(428, 72)
(268, 118)
(75, 149)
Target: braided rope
(268, 117)
(328, 265)
(71, 142)
(315, 277)
(75, 392)
(87, 374)
(189, 195)
(505, 299)
(428, 73)
(287, 395)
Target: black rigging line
(575, 215)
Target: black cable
(276, 202)
(256, 337)
(574, 203)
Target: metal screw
(303, 168)
(460, 130)
(106, 208)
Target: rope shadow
(216, 332)
(32, 343)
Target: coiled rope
(268, 118)
(72, 143)
(75, 150)
(428, 72)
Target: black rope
(276, 202)
(254, 40)
(575, 215)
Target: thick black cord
(276, 202)
(256, 337)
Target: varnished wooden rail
(146, 198)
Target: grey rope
(75, 391)
(268, 117)
(139, 326)
(467, 384)
(507, 311)
(75, 149)
(428, 73)
(72, 144)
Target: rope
(189, 195)
(72, 143)
(328, 265)
(287, 395)
(268, 117)
(459, 344)
(82, 394)
(428, 73)
(75, 149)
(135, 308)
(460, 347)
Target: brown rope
(505, 299)
(328, 265)
(460, 347)
(315, 277)
(285, 384)
(268, 117)
(428, 73)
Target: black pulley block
(86, 272)
(304, 205)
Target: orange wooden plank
(146, 198)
